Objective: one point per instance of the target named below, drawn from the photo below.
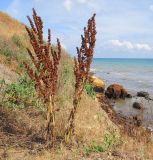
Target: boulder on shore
(137, 120)
(137, 105)
(97, 83)
(116, 91)
(143, 94)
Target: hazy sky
(124, 27)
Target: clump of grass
(2, 89)
(12, 50)
(66, 82)
(21, 94)
(44, 74)
(108, 141)
(88, 88)
(16, 40)
(6, 48)
(81, 70)
(65, 73)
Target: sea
(135, 75)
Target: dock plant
(44, 69)
(82, 65)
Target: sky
(124, 27)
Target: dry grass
(10, 26)
(11, 52)
(141, 149)
(91, 122)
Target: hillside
(10, 27)
(22, 111)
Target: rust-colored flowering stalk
(44, 72)
(81, 70)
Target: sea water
(135, 75)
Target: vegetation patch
(88, 88)
(108, 141)
(17, 41)
(21, 94)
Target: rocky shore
(110, 96)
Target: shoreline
(128, 126)
(123, 108)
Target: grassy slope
(13, 41)
(94, 130)
(10, 26)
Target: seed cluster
(81, 70)
(44, 72)
(45, 59)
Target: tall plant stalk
(44, 71)
(81, 71)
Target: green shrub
(88, 88)
(21, 94)
(108, 141)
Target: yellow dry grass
(92, 123)
(10, 26)
(140, 148)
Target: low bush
(21, 94)
(88, 88)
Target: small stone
(129, 95)
(137, 105)
(143, 94)
(137, 120)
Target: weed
(16, 40)
(108, 141)
(88, 88)
(44, 74)
(21, 94)
(81, 70)
(6, 52)
(6, 49)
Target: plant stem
(50, 121)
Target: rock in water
(143, 94)
(137, 105)
(98, 84)
(129, 95)
(116, 91)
